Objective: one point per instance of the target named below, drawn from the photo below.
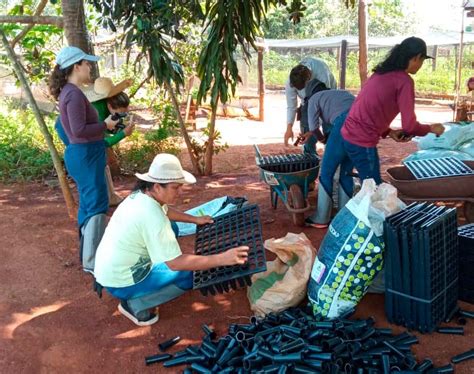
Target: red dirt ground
(52, 322)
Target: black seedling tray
(288, 163)
(438, 168)
(239, 227)
(422, 264)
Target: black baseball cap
(416, 46)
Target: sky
(442, 14)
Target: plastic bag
(437, 153)
(454, 135)
(351, 254)
(212, 208)
(467, 147)
(284, 284)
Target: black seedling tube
(314, 348)
(168, 343)
(450, 330)
(210, 347)
(329, 325)
(466, 313)
(253, 363)
(228, 355)
(425, 365)
(181, 353)
(354, 347)
(408, 341)
(384, 331)
(338, 349)
(293, 346)
(283, 369)
(394, 349)
(265, 353)
(329, 344)
(443, 370)
(386, 364)
(157, 358)
(461, 321)
(291, 357)
(184, 360)
(291, 330)
(326, 356)
(463, 357)
(269, 369)
(452, 313)
(316, 364)
(208, 331)
(192, 350)
(315, 334)
(301, 369)
(199, 368)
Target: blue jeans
(366, 161)
(334, 156)
(159, 277)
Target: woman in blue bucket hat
(85, 155)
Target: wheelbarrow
(448, 189)
(289, 177)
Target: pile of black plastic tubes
(294, 342)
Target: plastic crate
(438, 168)
(288, 163)
(239, 227)
(466, 260)
(422, 264)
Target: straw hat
(166, 168)
(103, 88)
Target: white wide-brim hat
(104, 88)
(166, 168)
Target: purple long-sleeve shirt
(382, 97)
(79, 118)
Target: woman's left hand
(203, 220)
(399, 136)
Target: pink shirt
(382, 97)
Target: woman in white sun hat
(139, 260)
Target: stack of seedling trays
(239, 227)
(422, 265)
(289, 163)
(466, 263)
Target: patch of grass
(24, 155)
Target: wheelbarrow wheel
(469, 211)
(297, 202)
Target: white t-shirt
(138, 235)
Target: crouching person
(139, 260)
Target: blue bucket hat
(70, 55)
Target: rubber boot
(324, 208)
(343, 198)
(114, 199)
(91, 235)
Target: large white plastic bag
(454, 135)
(438, 153)
(351, 254)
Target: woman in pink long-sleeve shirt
(389, 91)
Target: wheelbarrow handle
(257, 151)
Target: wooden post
(261, 86)
(362, 41)
(435, 56)
(338, 58)
(69, 199)
(342, 75)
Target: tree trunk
(70, 203)
(362, 41)
(210, 142)
(261, 87)
(184, 132)
(75, 29)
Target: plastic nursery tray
(466, 260)
(239, 227)
(438, 168)
(288, 163)
(422, 265)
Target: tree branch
(39, 20)
(23, 32)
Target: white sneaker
(147, 321)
